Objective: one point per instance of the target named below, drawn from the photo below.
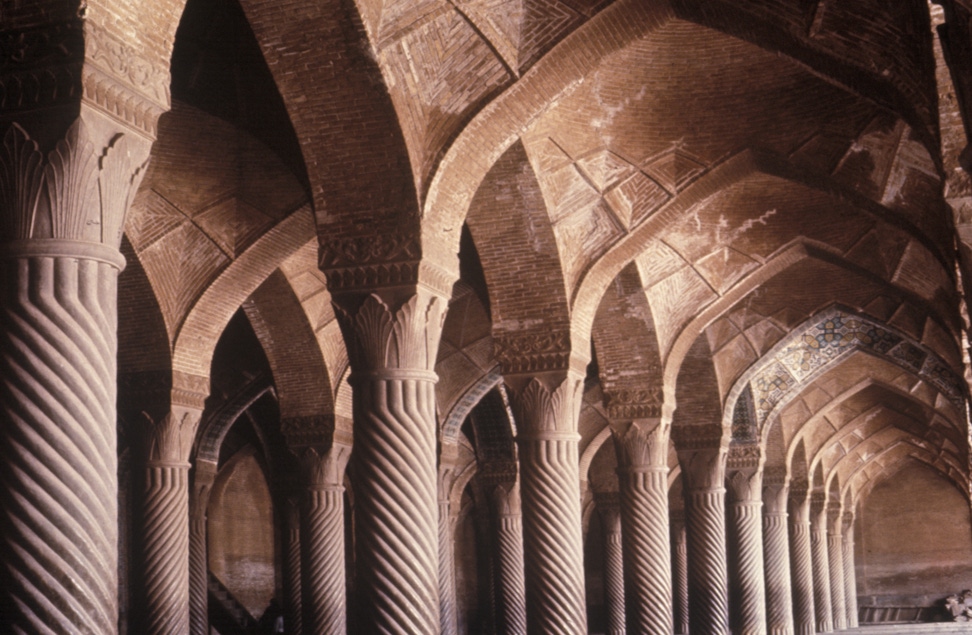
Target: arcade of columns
(702, 261)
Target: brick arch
(696, 394)
(196, 340)
(879, 395)
(521, 262)
(300, 373)
(217, 422)
(144, 356)
(822, 342)
(626, 348)
(567, 66)
(797, 466)
(349, 133)
(788, 263)
(897, 457)
(463, 404)
(735, 174)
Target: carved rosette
(776, 554)
(643, 479)
(510, 541)
(550, 486)
(204, 474)
(703, 460)
(322, 540)
(392, 350)
(801, 561)
(610, 510)
(746, 543)
(822, 598)
(835, 552)
(680, 572)
(293, 604)
(527, 352)
(850, 574)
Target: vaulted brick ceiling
(683, 184)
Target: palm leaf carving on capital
(71, 178)
(171, 437)
(549, 410)
(119, 175)
(642, 444)
(324, 469)
(408, 338)
(21, 177)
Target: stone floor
(908, 629)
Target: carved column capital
(776, 490)
(641, 444)
(702, 455)
(547, 406)
(744, 473)
(506, 499)
(78, 192)
(324, 470)
(609, 507)
(170, 439)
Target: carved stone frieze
(40, 67)
(697, 437)
(310, 430)
(645, 403)
(743, 456)
(497, 472)
(189, 390)
(121, 82)
(533, 351)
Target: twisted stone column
(392, 347)
(512, 587)
(680, 571)
(642, 450)
(835, 555)
(776, 553)
(59, 265)
(550, 485)
(293, 600)
(801, 559)
(703, 463)
(204, 474)
(448, 612)
(850, 574)
(821, 563)
(322, 540)
(609, 506)
(745, 520)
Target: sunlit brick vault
(483, 316)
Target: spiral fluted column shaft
(58, 458)
(801, 561)
(322, 561)
(293, 605)
(647, 550)
(512, 587)
(198, 578)
(396, 505)
(448, 615)
(838, 589)
(776, 559)
(614, 572)
(166, 549)
(680, 574)
(821, 574)
(707, 576)
(850, 576)
(553, 547)
(745, 519)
